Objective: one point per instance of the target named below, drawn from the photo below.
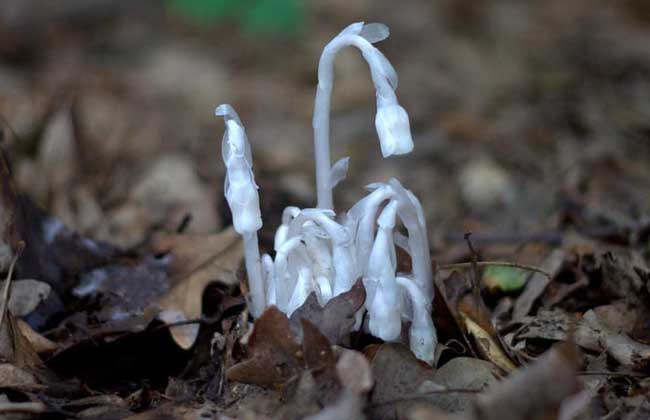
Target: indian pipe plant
(322, 252)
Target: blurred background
(530, 118)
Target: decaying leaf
(537, 283)
(13, 377)
(354, 371)
(487, 346)
(193, 268)
(547, 325)
(168, 282)
(274, 355)
(534, 392)
(26, 295)
(336, 319)
(403, 383)
(348, 406)
(596, 334)
(475, 317)
(170, 411)
(39, 343)
(547, 389)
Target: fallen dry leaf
(348, 406)
(39, 343)
(403, 383)
(195, 263)
(167, 282)
(274, 355)
(594, 333)
(26, 295)
(537, 283)
(534, 392)
(488, 347)
(475, 317)
(13, 377)
(354, 371)
(336, 319)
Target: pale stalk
(254, 272)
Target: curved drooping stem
(391, 120)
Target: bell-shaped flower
(383, 294)
(282, 233)
(422, 334)
(393, 129)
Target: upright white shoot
(241, 193)
(391, 120)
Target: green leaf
(506, 279)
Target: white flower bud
(392, 123)
(240, 188)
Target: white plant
(241, 193)
(391, 121)
(315, 252)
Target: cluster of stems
(318, 252)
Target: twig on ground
(7, 286)
(493, 263)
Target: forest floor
(531, 124)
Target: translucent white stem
(321, 125)
(321, 120)
(269, 279)
(384, 304)
(367, 210)
(412, 216)
(283, 282)
(254, 272)
(422, 335)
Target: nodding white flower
(283, 231)
(392, 123)
(382, 291)
(422, 334)
(391, 120)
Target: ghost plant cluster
(318, 251)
